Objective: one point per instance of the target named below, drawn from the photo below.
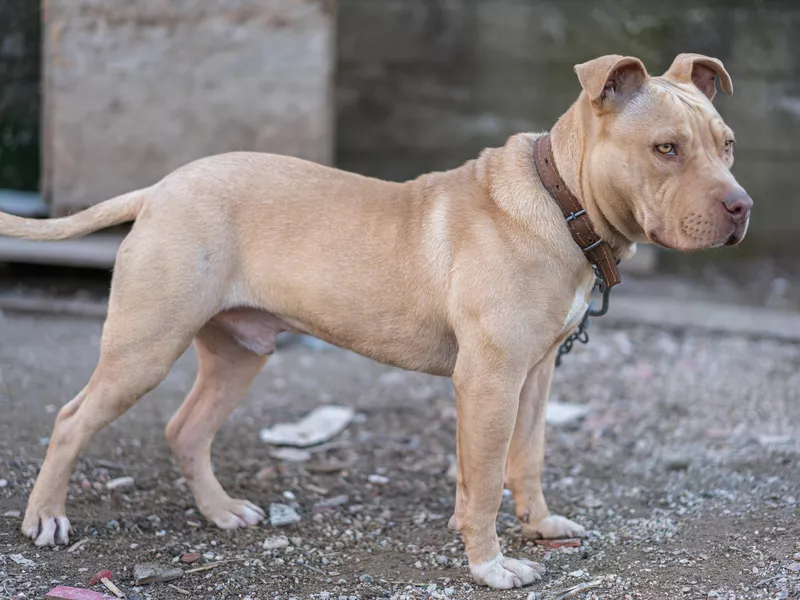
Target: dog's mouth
(733, 239)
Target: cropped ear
(702, 71)
(610, 80)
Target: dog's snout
(738, 205)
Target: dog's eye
(667, 149)
(729, 145)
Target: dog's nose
(738, 205)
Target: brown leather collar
(596, 250)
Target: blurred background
(101, 97)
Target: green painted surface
(20, 42)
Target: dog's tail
(106, 214)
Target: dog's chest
(580, 302)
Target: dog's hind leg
(225, 371)
(155, 309)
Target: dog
(472, 273)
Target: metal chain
(581, 332)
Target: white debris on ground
(318, 426)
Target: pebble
(365, 578)
(12, 513)
(794, 567)
(3, 483)
(144, 573)
(378, 479)
(442, 559)
(291, 454)
(275, 542)
(281, 515)
(21, 560)
(120, 483)
(578, 573)
(190, 557)
(331, 502)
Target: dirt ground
(686, 472)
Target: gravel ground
(686, 471)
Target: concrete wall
(19, 94)
(420, 84)
(134, 90)
(425, 84)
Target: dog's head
(658, 157)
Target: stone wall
(134, 90)
(19, 94)
(425, 84)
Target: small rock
(120, 483)
(449, 591)
(190, 558)
(3, 483)
(442, 559)
(281, 515)
(331, 502)
(773, 440)
(794, 567)
(592, 502)
(291, 454)
(431, 588)
(145, 573)
(559, 413)
(21, 560)
(452, 468)
(678, 464)
(296, 541)
(577, 573)
(366, 578)
(275, 542)
(378, 479)
(12, 513)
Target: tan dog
(469, 273)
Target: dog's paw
(503, 573)
(234, 514)
(553, 527)
(46, 531)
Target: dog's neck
(569, 135)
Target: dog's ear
(610, 79)
(701, 71)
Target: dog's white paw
(503, 573)
(234, 514)
(46, 531)
(554, 527)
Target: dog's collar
(595, 248)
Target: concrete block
(135, 90)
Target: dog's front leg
(526, 458)
(487, 393)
